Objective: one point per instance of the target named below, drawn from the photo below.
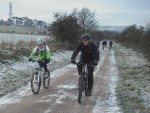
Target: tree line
(67, 28)
(137, 38)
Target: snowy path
(61, 97)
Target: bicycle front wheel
(35, 83)
(46, 81)
(86, 85)
(80, 89)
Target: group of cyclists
(104, 44)
(89, 54)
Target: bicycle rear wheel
(35, 83)
(80, 89)
(46, 81)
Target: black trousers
(44, 64)
(90, 75)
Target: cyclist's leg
(79, 69)
(90, 80)
(40, 63)
(90, 77)
(98, 55)
(45, 65)
(79, 66)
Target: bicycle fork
(38, 77)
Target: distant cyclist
(43, 52)
(89, 54)
(110, 45)
(104, 44)
(97, 42)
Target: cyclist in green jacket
(43, 52)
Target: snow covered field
(15, 74)
(133, 86)
(128, 71)
(15, 37)
(58, 60)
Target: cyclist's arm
(95, 52)
(76, 51)
(33, 52)
(48, 52)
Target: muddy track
(61, 96)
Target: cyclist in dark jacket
(89, 54)
(110, 45)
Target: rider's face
(40, 46)
(85, 42)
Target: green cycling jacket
(43, 53)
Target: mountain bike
(83, 80)
(110, 47)
(39, 77)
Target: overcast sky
(108, 12)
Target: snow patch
(109, 105)
(67, 86)
(15, 97)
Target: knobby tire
(38, 83)
(80, 89)
(46, 81)
(86, 85)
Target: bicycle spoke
(46, 81)
(35, 83)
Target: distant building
(24, 21)
(10, 21)
(10, 11)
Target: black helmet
(86, 37)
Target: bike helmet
(40, 41)
(85, 37)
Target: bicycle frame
(85, 75)
(38, 77)
(39, 70)
(83, 81)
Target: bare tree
(75, 12)
(87, 20)
(147, 24)
(66, 29)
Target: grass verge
(11, 51)
(133, 84)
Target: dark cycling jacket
(110, 43)
(89, 53)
